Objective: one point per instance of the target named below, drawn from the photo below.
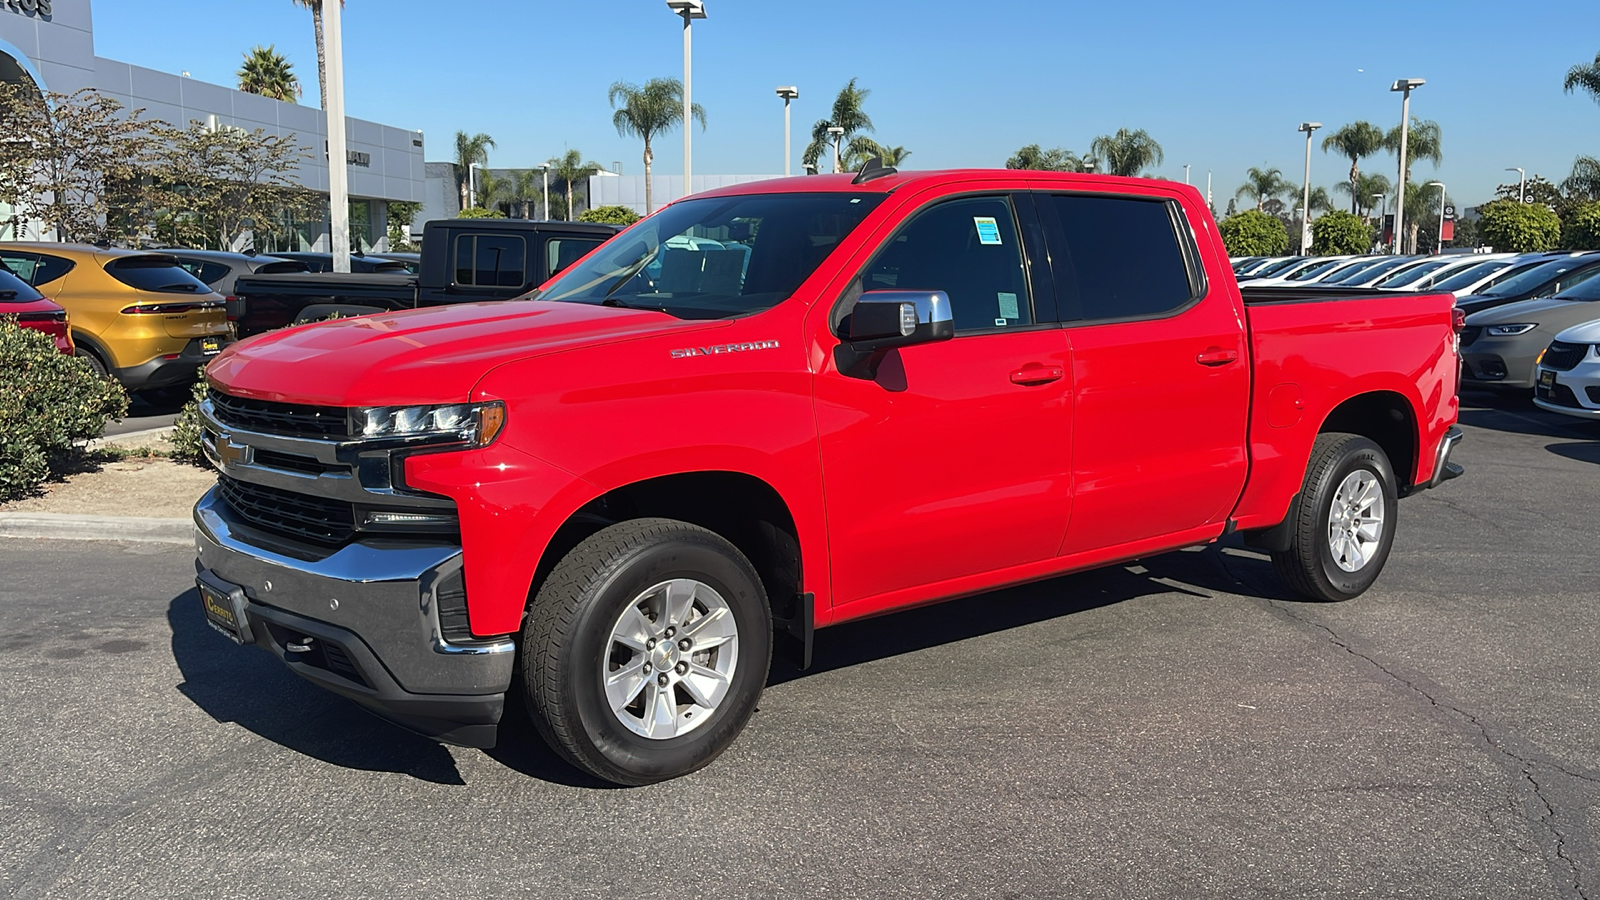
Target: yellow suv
(137, 316)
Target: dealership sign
(28, 7)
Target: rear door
(1161, 374)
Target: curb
(55, 526)
(156, 433)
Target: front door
(953, 460)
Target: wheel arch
(1388, 419)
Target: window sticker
(988, 230)
(1001, 323)
(1008, 306)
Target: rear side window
(209, 272)
(1121, 257)
(50, 268)
(562, 252)
(159, 274)
(967, 248)
(15, 290)
(490, 260)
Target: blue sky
(1221, 85)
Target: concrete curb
(55, 526)
(133, 438)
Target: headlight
(472, 423)
(1510, 330)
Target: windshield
(1372, 272)
(1411, 275)
(1472, 274)
(1314, 271)
(1533, 278)
(716, 257)
(1349, 269)
(1273, 269)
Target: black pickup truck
(463, 261)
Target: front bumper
(1502, 362)
(371, 610)
(1575, 392)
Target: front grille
(1559, 394)
(1470, 334)
(294, 419)
(312, 518)
(291, 462)
(1564, 357)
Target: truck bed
(273, 301)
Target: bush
(609, 215)
(478, 212)
(186, 428)
(47, 402)
(1581, 230)
(1519, 227)
(1253, 233)
(1340, 233)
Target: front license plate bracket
(224, 607)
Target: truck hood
(1521, 310)
(433, 355)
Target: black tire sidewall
(636, 758)
(1356, 455)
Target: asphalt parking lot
(1170, 729)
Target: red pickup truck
(775, 407)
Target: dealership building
(50, 43)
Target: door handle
(1216, 356)
(1036, 374)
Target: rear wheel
(646, 650)
(95, 363)
(1345, 523)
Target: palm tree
(646, 112)
(1127, 152)
(525, 190)
(1423, 141)
(1585, 77)
(865, 148)
(1357, 141)
(1362, 190)
(847, 114)
(569, 168)
(322, 57)
(268, 73)
(1038, 159)
(1262, 185)
(1585, 178)
(469, 150)
(491, 190)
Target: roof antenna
(872, 168)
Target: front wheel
(646, 650)
(1345, 521)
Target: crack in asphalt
(1525, 765)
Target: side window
(562, 252)
(50, 268)
(1573, 280)
(1121, 258)
(967, 248)
(491, 260)
(21, 264)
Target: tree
(1584, 181)
(1519, 227)
(525, 188)
(568, 169)
(1262, 185)
(478, 212)
(647, 111)
(1423, 141)
(491, 190)
(1056, 159)
(1356, 141)
(1584, 77)
(218, 184)
(322, 57)
(73, 162)
(1338, 232)
(863, 149)
(469, 150)
(401, 214)
(1127, 152)
(609, 215)
(1361, 191)
(268, 73)
(1581, 229)
(1253, 233)
(847, 113)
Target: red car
(18, 298)
(774, 407)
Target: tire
(95, 365)
(591, 625)
(1335, 564)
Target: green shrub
(1253, 233)
(1514, 227)
(1581, 230)
(609, 215)
(1340, 233)
(186, 428)
(47, 402)
(478, 212)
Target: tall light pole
(1438, 244)
(1383, 202)
(837, 133)
(472, 185)
(1405, 86)
(1305, 215)
(544, 174)
(690, 10)
(787, 93)
(1208, 189)
(338, 165)
(1522, 180)
(1185, 173)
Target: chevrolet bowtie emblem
(231, 454)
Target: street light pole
(1438, 244)
(837, 133)
(1305, 205)
(1522, 180)
(1383, 205)
(788, 93)
(690, 10)
(472, 185)
(1405, 87)
(544, 174)
(1185, 173)
(338, 167)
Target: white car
(1487, 273)
(1422, 277)
(1568, 379)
